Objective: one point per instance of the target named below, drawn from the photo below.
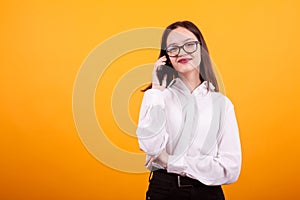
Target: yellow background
(255, 45)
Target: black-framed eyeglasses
(189, 48)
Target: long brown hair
(206, 70)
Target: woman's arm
(151, 131)
(224, 168)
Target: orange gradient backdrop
(255, 45)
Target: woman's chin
(186, 70)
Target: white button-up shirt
(197, 129)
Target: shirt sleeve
(224, 168)
(151, 130)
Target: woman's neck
(191, 80)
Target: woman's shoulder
(221, 98)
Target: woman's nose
(181, 52)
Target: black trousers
(169, 186)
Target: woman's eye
(172, 49)
(190, 44)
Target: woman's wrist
(159, 87)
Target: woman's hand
(155, 82)
(162, 159)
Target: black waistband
(176, 178)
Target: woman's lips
(184, 60)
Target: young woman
(187, 129)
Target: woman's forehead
(179, 35)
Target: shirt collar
(199, 90)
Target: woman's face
(184, 62)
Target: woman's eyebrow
(182, 41)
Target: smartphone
(166, 70)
